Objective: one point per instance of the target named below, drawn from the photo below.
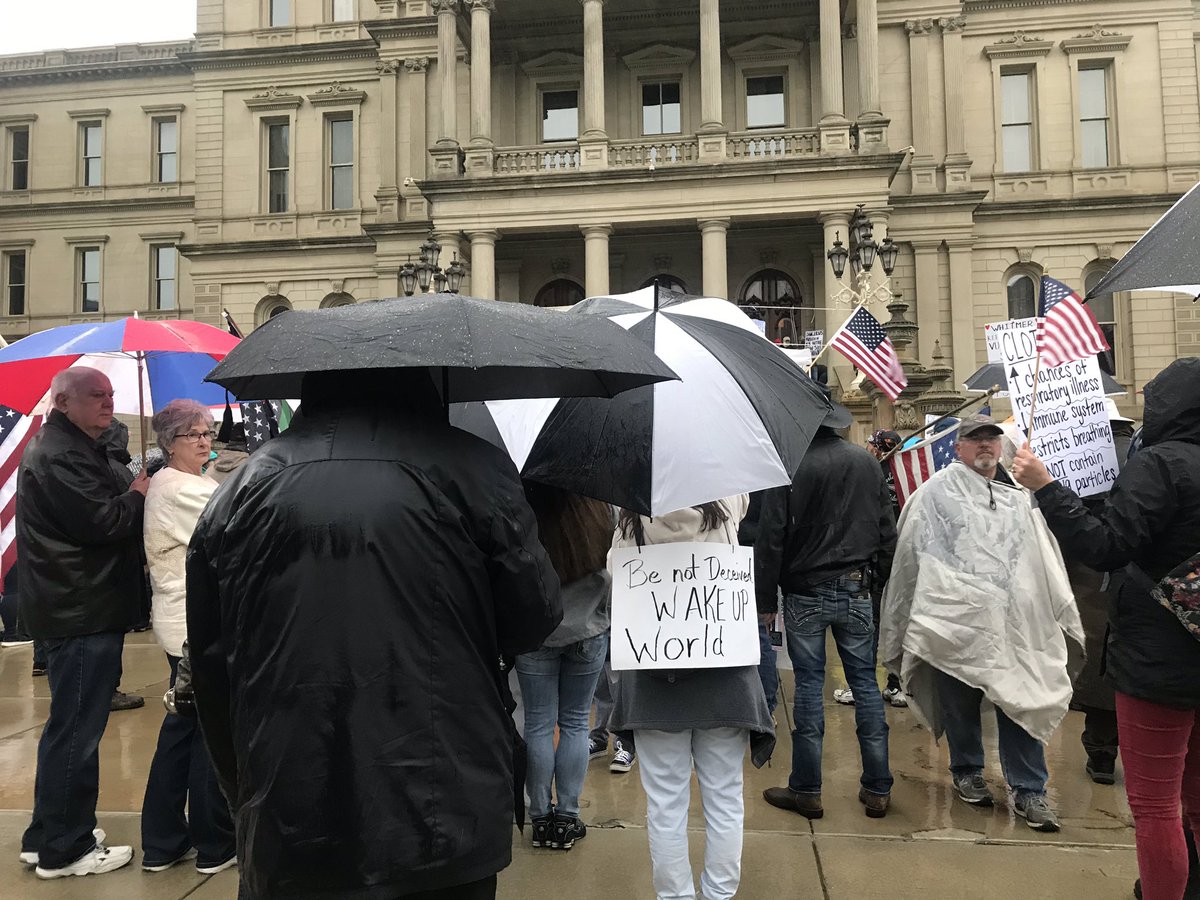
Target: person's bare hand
(141, 484)
(1029, 471)
(767, 618)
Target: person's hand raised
(1029, 471)
(141, 484)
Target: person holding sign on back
(689, 717)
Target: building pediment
(766, 46)
(1098, 40)
(658, 55)
(1020, 44)
(552, 63)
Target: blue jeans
(181, 775)
(768, 669)
(557, 684)
(1022, 758)
(843, 606)
(83, 672)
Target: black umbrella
(475, 350)
(1165, 257)
(740, 419)
(993, 374)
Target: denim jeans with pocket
(557, 684)
(842, 606)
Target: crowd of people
(340, 619)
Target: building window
(661, 108)
(280, 13)
(1104, 308)
(337, 298)
(18, 158)
(1094, 116)
(343, 11)
(666, 283)
(764, 101)
(14, 283)
(560, 115)
(166, 150)
(271, 306)
(279, 155)
(88, 278)
(1016, 121)
(1022, 296)
(91, 142)
(341, 163)
(773, 297)
(165, 263)
(560, 292)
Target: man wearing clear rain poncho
(978, 605)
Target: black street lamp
(838, 255)
(861, 255)
(408, 278)
(888, 252)
(455, 272)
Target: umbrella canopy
(740, 419)
(993, 374)
(1165, 258)
(168, 359)
(475, 349)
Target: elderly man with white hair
(78, 531)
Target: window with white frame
(279, 13)
(1016, 120)
(91, 148)
(166, 150)
(15, 274)
(278, 159)
(1104, 308)
(1022, 295)
(343, 11)
(766, 104)
(87, 278)
(164, 262)
(661, 108)
(340, 144)
(17, 152)
(1095, 115)
(560, 115)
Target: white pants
(665, 761)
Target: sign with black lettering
(684, 606)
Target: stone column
(872, 127)
(923, 166)
(387, 196)
(928, 301)
(958, 164)
(713, 233)
(593, 143)
(962, 317)
(481, 156)
(483, 264)
(446, 153)
(595, 254)
(414, 206)
(837, 227)
(835, 130)
(712, 131)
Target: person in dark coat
(79, 536)
(1149, 524)
(351, 589)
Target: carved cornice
(445, 6)
(336, 93)
(1098, 40)
(333, 52)
(1020, 44)
(417, 65)
(274, 98)
(387, 66)
(658, 57)
(953, 24)
(918, 26)
(94, 63)
(488, 5)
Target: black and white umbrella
(1164, 258)
(740, 419)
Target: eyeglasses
(982, 439)
(193, 437)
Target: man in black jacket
(820, 540)
(79, 535)
(351, 589)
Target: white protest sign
(1071, 431)
(991, 336)
(814, 341)
(802, 358)
(684, 606)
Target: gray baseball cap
(980, 425)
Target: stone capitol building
(296, 154)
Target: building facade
(296, 154)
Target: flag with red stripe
(1067, 329)
(911, 468)
(863, 341)
(16, 431)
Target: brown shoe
(808, 805)
(876, 804)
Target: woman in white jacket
(181, 775)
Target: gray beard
(985, 465)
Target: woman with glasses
(181, 775)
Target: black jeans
(9, 625)
(1100, 733)
(84, 672)
(484, 889)
(182, 776)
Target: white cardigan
(173, 506)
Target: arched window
(337, 298)
(1022, 295)
(560, 292)
(772, 296)
(667, 283)
(270, 306)
(1104, 308)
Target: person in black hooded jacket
(1149, 524)
(351, 589)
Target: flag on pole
(863, 341)
(16, 431)
(911, 468)
(1066, 327)
(260, 421)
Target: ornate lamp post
(427, 271)
(862, 254)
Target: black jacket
(351, 589)
(1149, 524)
(834, 518)
(79, 536)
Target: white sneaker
(844, 696)
(10, 643)
(100, 860)
(30, 857)
(896, 698)
(190, 853)
(217, 867)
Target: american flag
(863, 341)
(261, 421)
(1066, 328)
(16, 431)
(913, 467)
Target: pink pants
(1160, 749)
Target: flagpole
(1037, 370)
(992, 391)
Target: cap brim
(839, 417)
(993, 430)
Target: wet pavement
(929, 846)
